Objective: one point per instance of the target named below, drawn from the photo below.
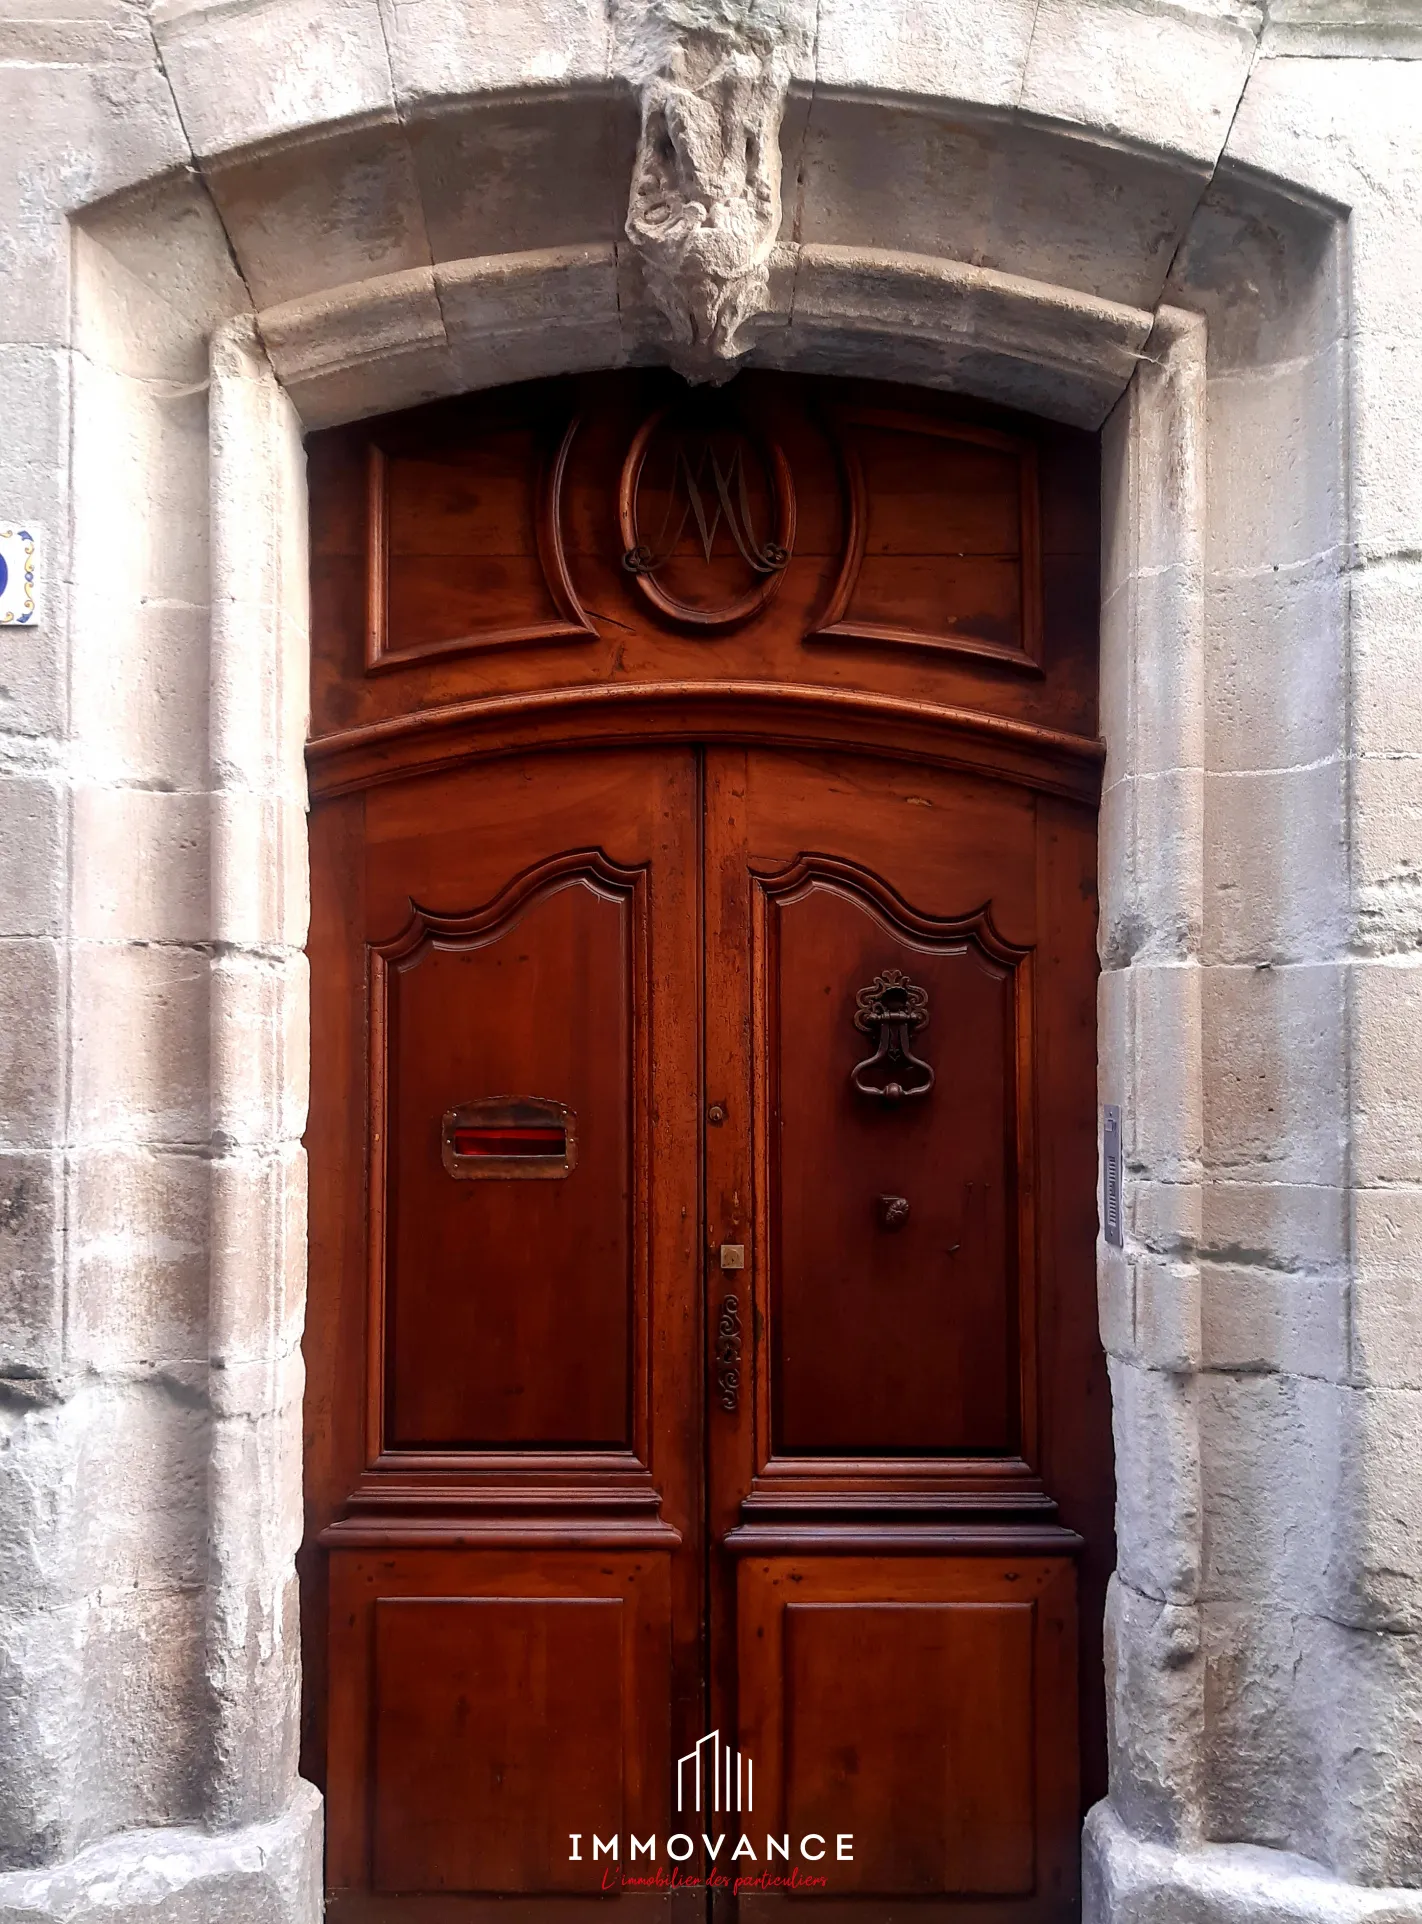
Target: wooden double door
(724, 1115)
(707, 1448)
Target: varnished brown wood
(498, 1509)
(917, 578)
(892, 1343)
(881, 1537)
(923, 1707)
(528, 605)
(543, 990)
(710, 446)
(630, 644)
(773, 714)
(536, 1682)
(696, 1433)
(526, 1687)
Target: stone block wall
(1198, 227)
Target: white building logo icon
(717, 1777)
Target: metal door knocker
(892, 1008)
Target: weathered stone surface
(1090, 346)
(1140, 1881)
(1368, 29)
(1294, 1226)
(1158, 1486)
(141, 708)
(1374, 1575)
(1258, 1317)
(1167, 1314)
(258, 1217)
(705, 206)
(1267, 511)
(140, 1026)
(31, 1015)
(1387, 1068)
(139, 1257)
(296, 229)
(260, 69)
(423, 196)
(1386, 1295)
(1264, 1441)
(1277, 864)
(440, 49)
(1275, 654)
(504, 175)
(31, 1263)
(1082, 214)
(1271, 1104)
(144, 869)
(268, 1873)
(31, 855)
(1387, 697)
(1168, 1086)
(1155, 1714)
(960, 53)
(1264, 269)
(80, 121)
(1167, 75)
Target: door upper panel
(510, 1119)
(612, 530)
(892, 1054)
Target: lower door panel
(914, 1717)
(495, 1712)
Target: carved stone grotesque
(705, 204)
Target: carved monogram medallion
(708, 516)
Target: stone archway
(1080, 245)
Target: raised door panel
(921, 1747)
(898, 941)
(494, 1719)
(892, 1246)
(530, 934)
(510, 1299)
(892, 1057)
(463, 541)
(487, 1706)
(923, 1710)
(620, 530)
(943, 550)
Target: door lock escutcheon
(893, 1211)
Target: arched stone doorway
(1155, 239)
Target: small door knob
(893, 1211)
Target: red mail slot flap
(509, 1136)
(492, 1141)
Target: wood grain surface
(651, 732)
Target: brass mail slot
(509, 1137)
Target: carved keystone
(705, 204)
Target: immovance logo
(714, 1781)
